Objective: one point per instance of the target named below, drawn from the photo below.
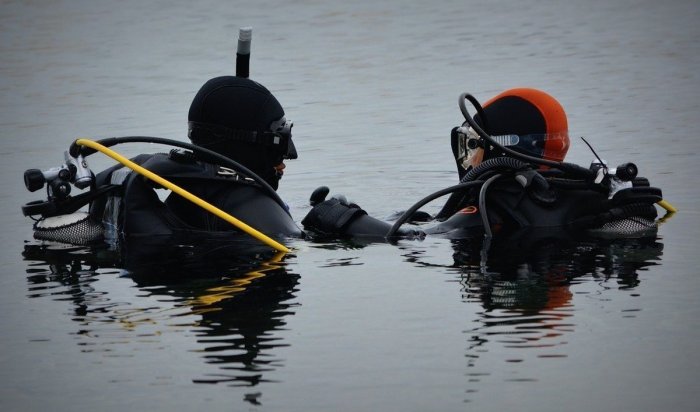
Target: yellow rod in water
(184, 193)
(669, 207)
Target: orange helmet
(528, 121)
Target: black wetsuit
(135, 209)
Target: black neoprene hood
(512, 114)
(229, 114)
(236, 103)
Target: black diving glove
(337, 216)
(332, 216)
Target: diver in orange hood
(509, 159)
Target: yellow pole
(184, 193)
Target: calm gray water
(372, 89)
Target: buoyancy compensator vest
(136, 209)
(526, 198)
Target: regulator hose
(479, 110)
(203, 153)
(507, 163)
(482, 205)
(496, 164)
(408, 213)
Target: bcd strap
(331, 216)
(69, 205)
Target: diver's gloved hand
(337, 216)
(319, 195)
(332, 216)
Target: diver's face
(276, 172)
(474, 158)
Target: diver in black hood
(512, 176)
(234, 117)
(227, 176)
(240, 119)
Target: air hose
(452, 189)
(482, 205)
(201, 152)
(182, 192)
(500, 163)
(497, 164)
(408, 213)
(468, 181)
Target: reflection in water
(233, 306)
(526, 285)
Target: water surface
(547, 323)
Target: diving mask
(282, 136)
(472, 149)
(278, 138)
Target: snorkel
(245, 35)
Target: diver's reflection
(525, 284)
(240, 309)
(233, 303)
